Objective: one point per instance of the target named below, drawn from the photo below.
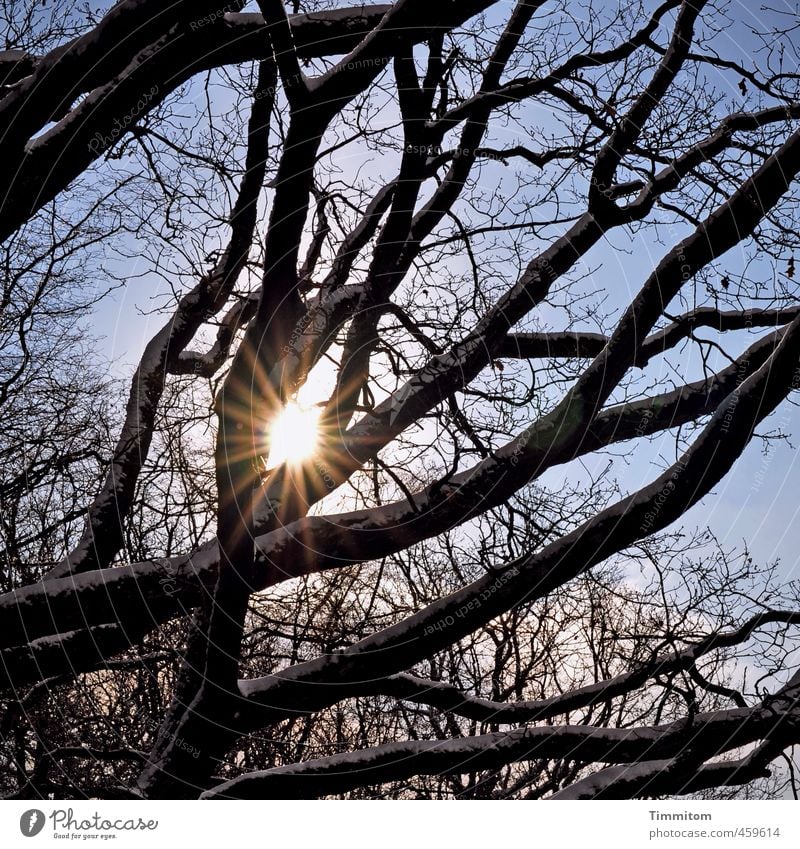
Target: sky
(756, 503)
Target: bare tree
(483, 252)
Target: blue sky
(757, 503)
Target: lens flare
(294, 435)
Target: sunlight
(294, 435)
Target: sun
(294, 435)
